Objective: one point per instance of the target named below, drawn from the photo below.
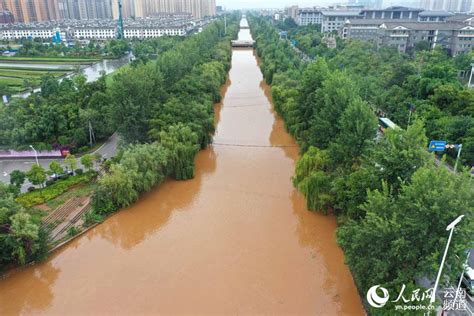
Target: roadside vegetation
(44, 51)
(21, 238)
(392, 202)
(429, 82)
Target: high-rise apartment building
(426, 4)
(94, 9)
(84, 9)
(448, 5)
(144, 8)
(466, 6)
(26, 11)
(452, 5)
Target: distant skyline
(246, 4)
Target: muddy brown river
(237, 239)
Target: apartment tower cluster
(145, 8)
(28, 11)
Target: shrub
(92, 218)
(79, 171)
(41, 196)
(72, 231)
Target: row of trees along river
(235, 238)
(391, 200)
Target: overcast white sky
(245, 4)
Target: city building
(434, 16)
(333, 20)
(392, 13)
(368, 4)
(466, 6)
(99, 30)
(292, 12)
(309, 16)
(145, 8)
(455, 35)
(84, 9)
(6, 17)
(25, 10)
(449, 5)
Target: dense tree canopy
(21, 238)
(164, 111)
(393, 203)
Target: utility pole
(225, 24)
(91, 134)
(457, 158)
(469, 85)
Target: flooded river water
(237, 239)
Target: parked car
(55, 176)
(468, 280)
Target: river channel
(236, 239)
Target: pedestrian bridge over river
(243, 43)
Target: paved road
(107, 150)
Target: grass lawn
(14, 82)
(28, 74)
(14, 77)
(32, 69)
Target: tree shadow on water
(131, 226)
(32, 295)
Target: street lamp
(451, 228)
(36, 154)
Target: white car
(468, 280)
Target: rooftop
(395, 8)
(341, 13)
(436, 13)
(392, 24)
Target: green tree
(311, 179)
(133, 93)
(332, 100)
(56, 168)
(403, 236)
(87, 161)
(71, 162)
(17, 178)
(24, 234)
(36, 175)
(358, 131)
(182, 144)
